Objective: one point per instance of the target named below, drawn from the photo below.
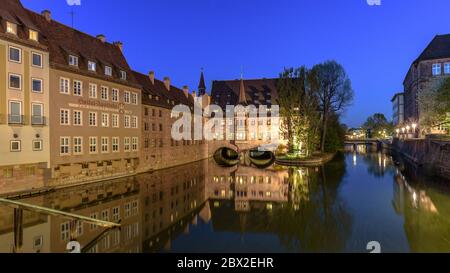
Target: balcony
(16, 120)
(38, 121)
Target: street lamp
(414, 126)
(397, 131)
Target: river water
(357, 198)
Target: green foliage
(434, 105)
(379, 126)
(336, 135)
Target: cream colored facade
(24, 117)
(94, 134)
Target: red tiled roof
(257, 92)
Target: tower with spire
(202, 85)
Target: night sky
(177, 38)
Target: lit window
(36, 85)
(108, 71)
(11, 28)
(134, 99)
(105, 120)
(37, 59)
(115, 145)
(34, 35)
(15, 54)
(77, 88)
(64, 85)
(92, 66)
(64, 145)
(73, 60)
(123, 75)
(65, 231)
(126, 144)
(92, 91)
(135, 144)
(126, 121)
(115, 120)
(436, 69)
(15, 146)
(447, 68)
(134, 122)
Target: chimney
(101, 37)
(167, 83)
(186, 91)
(119, 44)
(47, 15)
(151, 75)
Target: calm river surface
(340, 207)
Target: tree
(379, 125)
(299, 109)
(434, 105)
(334, 90)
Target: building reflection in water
(302, 207)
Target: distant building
(398, 109)
(432, 65)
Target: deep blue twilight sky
(177, 38)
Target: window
(73, 60)
(77, 145)
(36, 85)
(126, 122)
(447, 68)
(37, 114)
(127, 210)
(92, 66)
(64, 85)
(11, 28)
(135, 144)
(36, 59)
(15, 54)
(15, 145)
(92, 119)
(115, 95)
(108, 71)
(123, 75)
(436, 69)
(33, 35)
(64, 118)
(116, 214)
(134, 98)
(160, 127)
(15, 81)
(77, 88)
(134, 122)
(77, 118)
(104, 93)
(38, 242)
(105, 120)
(92, 91)
(115, 120)
(126, 144)
(115, 144)
(126, 97)
(105, 145)
(15, 112)
(65, 231)
(94, 216)
(64, 145)
(134, 208)
(92, 145)
(105, 215)
(37, 145)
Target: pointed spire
(202, 85)
(242, 96)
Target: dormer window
(123, 75)
(92, 66)
(73, 60)
(108, 71)
(11, 28)
(34, 36)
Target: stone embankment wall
(430, 154)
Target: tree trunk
(324, 132)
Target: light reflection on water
(201, 207)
